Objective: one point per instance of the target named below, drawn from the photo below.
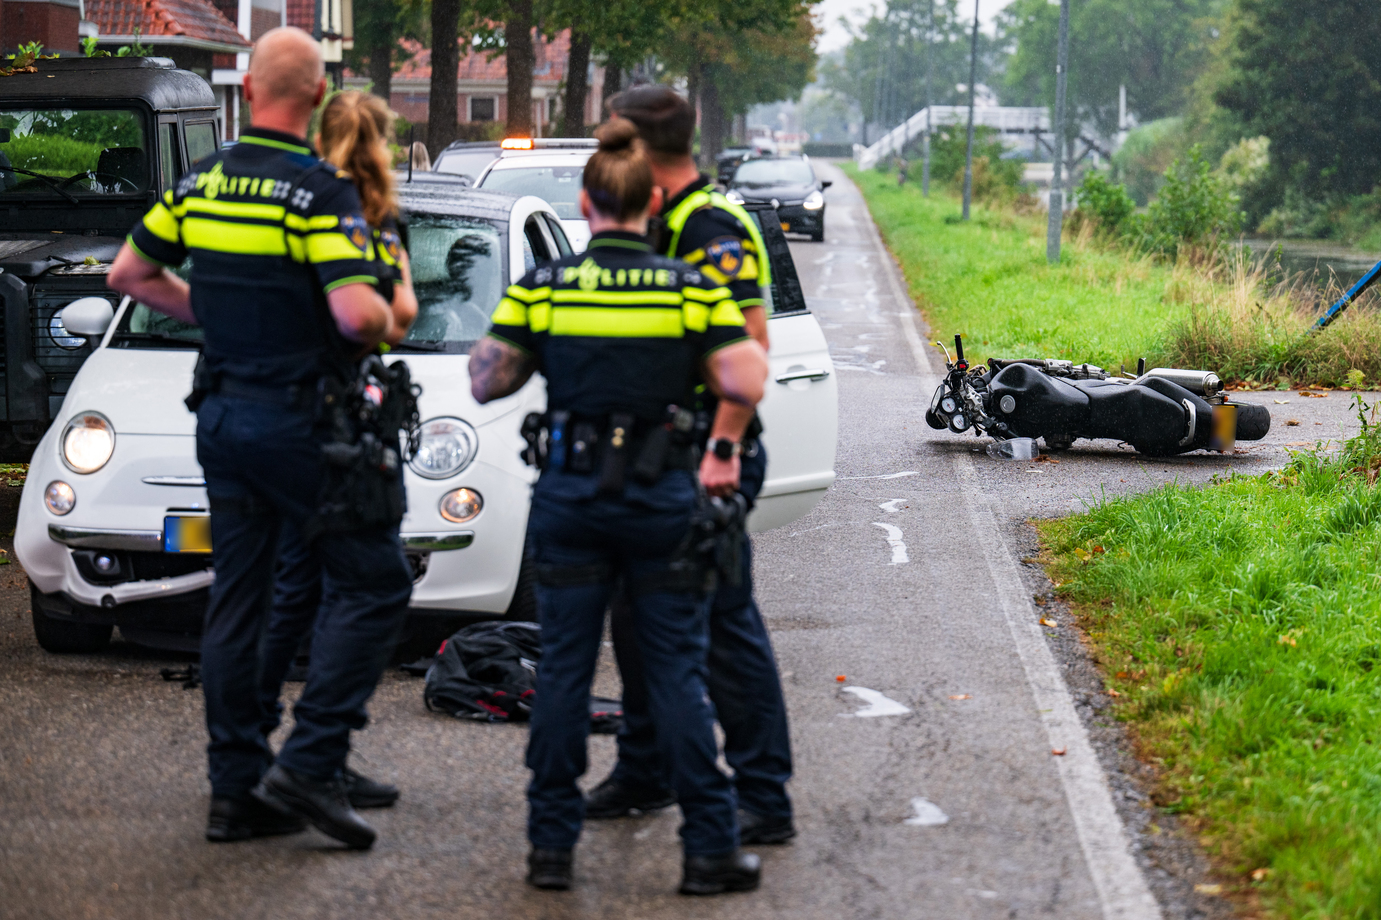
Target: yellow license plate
(189, 534)
(786, 228)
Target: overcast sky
(835, 36)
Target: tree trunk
(711, 119)
(520, 61)
(381, 63)
(577, 85)
(613, 85)
(441, 102)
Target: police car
(113, 522)
(551, 173)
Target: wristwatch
(723, 448)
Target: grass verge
(989, 279)
(1241, 624)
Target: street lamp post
(973, 77)
(929, 67)
(1053, 229)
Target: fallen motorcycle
(1159, 412)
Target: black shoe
(364, 792)
(615, 799)
(322, 802)
(736, 871)
(758, 830)
(241, 819)
(549, 869)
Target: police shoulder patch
(725, 253)
(356, 231)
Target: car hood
(768, 192)
(141, 390)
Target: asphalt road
(904, 580)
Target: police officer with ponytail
(624, 338)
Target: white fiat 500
(113, 522)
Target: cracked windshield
(457, 272)
(79, 152)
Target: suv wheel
(63, 637)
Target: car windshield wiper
(160, 337)
(419, 345)
(46, 180)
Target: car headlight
(59, 497)
(87, 442)
(446, 446)
(461, 505)
(733, 196)
(814, 201)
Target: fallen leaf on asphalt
(1112, 692)
(1259, 875)
(841, 678)
(1281, 402)
(1292, 423)
(1045, 458)
(1214, 889)
(1312, 395)
(1046, 621)
(1298, 443)
(961, 696)
(1058, 752)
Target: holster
(203, 384)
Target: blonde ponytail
(355, 131)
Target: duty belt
(611, 445)
(296, 396)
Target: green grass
(1241, 624)
(989, 280)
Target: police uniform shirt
(716, 241)
(271, 230)
(617, 328)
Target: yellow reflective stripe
(696, 316)
(618, 322)
(714, 274)
(168, 198)
(539, 316)
(241, 239)
(749, 271)
(161, 223)
(297, 248)
(221, 208)
(726, 313)
(712, 295)
(694, 258)
(510, 312)
(332, 247)
(307, 224)
(632, 298)
(528, 296)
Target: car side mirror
(88, 317)
(826, 184)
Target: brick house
(53, 23)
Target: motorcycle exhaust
(1201, 383)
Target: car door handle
(803, 374)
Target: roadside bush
(1145, 155)
(1108, 206)
(1194, 210)
(994, 179)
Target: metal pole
(973, 77)
(929, 67)
(1057, 208)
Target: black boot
(322, 802)
(736, 871)
(243, 818)
(364, 792)
(549, 869)
(615, 799)
(759, 830)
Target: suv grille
(60, 363)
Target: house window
(482, 108)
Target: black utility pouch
(584, 437)
(615, 454)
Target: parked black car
(728, 160)
(787, 184)
(86, 147)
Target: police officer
(701, 226)
(623, 337)
(283, 288)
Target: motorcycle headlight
(733, 196)
(446, 446)
(87, 442)
(814, 201)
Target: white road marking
(878, 705)
(926, 814)
(1122, 890)
(894, 540)
(886, 476)
(891, 506)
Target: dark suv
(86, 147)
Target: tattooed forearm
(498, 369)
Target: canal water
(1317, 260)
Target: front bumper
(796, 219)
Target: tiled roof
(197, 20)
(551, 61)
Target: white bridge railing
(1010, 121)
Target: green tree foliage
(1156, 48)
(884, 66)
(379, 24)
(1196, 208)
(1307, 74)
(1107, 205)
(994, 179)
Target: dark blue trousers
(296, 600)
(263, 466)
(743, 685)
(583, 543)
